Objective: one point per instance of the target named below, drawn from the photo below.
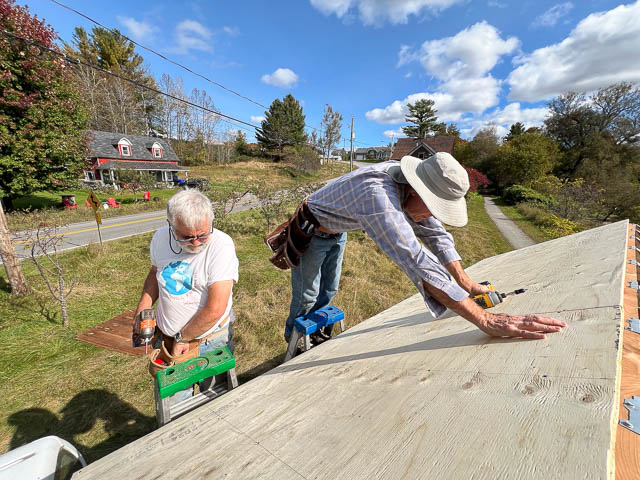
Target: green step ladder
(183, 375)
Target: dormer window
(124, 146)
(156, 150)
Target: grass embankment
(526, 223)
(101, 400)
(221, 177)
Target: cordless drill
(144, 327)
(493, 298)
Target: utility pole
(393, 136)
(351, 156)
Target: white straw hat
(441, 183)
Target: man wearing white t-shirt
(193, 270)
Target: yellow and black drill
(493, 298)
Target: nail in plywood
(403, 395)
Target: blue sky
(481, 61)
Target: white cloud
(496, 4)
(192, 35)
(408, 74)
(257, 118)
(231, 31)
(375, 12)
(394, 133)
(461, 65)
(551, 16)
(139, 31)
(503, 118)
(471, 52)
(600, 51)
(282, 77)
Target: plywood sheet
(562, 274)
(403, 395)
(114, 334)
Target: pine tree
(423, 116)
(283, 125)
(515, 130)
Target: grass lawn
(101, 400)
(241, 175)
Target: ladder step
(183, 375)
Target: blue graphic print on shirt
(178, 277)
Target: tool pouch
(169, 360)
(291, 239)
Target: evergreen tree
(423, 116)
(114, 104)
(242, 148)
(515, 130)
(283, 125)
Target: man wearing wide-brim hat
(400, 205)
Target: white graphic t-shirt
(183, 278)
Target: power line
(87, 17)
(76, 61)
(159, 54)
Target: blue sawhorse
(312, 322)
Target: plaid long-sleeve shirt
(369, 199)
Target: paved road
(81, 234)
(509, 229)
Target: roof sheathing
(403, 395)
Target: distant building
(373, 153)
(110, 151)
(422, 147)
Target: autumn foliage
(41, 122)
(477, 180)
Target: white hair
(189, 207)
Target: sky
(483, 62)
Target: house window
(156, 150)
(421, 156)
(124, 146)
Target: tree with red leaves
(477, 180)
(42, 123)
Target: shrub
(550, 224)
(520, 194)
(477, 180)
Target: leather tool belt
(291, 239)
(166, 346)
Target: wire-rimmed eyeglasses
(200, 237)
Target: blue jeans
(315, 281)
(205, 347)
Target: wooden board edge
(626, 462)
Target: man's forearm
(467, 308)
(459, 275)
(498, 324)
(202, 321)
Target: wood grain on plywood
(404, 395)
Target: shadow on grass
(121, 422)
